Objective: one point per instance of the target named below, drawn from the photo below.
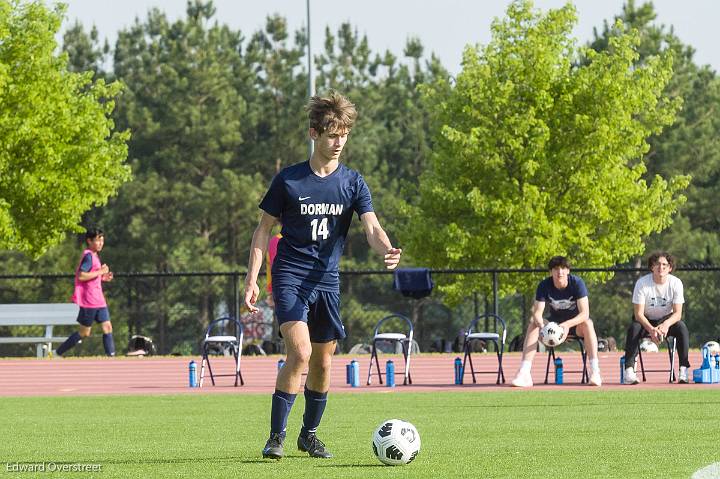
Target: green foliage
(193, 205)
(538, 148)
(537, 155)
(690, 145)
(60, 154)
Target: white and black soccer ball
(713, 347)
(396, 442)
(552, 335)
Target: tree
(193, 205)
(82, 49)
(690, 144)
(537, 156)
(59, 152)
(276, 95)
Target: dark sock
(109, 344)
(314, 407)
(282, 403)
(69, 343)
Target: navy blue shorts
(319, 309)
(87, 316)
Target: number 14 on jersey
(319, 228)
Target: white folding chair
(221, 335)
(404, 339)
(497, 336)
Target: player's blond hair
(332, 113)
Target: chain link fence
(173, 309)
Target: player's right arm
(639, 301)
(639, 310)
(537, 313)
(257, 254)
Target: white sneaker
(683, 376)
(595, 378)
(630, 376)
(522, 380)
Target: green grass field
(573, 434)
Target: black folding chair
(551, 359)
(497, 336)
(221, 336)
(671, 343)
(405, 340)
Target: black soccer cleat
(274, 446)
(313, 446)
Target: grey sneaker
(683, 376)
(313, 446)
(274, 446)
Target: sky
(444, 27)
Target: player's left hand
(107, 277)
(566, 329)
(392, 258)
(656, 336)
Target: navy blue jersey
(315, 214)
(86, 263)
(562, 302)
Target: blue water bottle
(706, 359)
(281, 363)
(192, 371)
(458, 371)
(348, 373)
(622, 369)
(558, 371)
(354, 374)
(390, 373)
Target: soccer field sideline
(169, 375)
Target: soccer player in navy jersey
(314, 201)
(567, 298)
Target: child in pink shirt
(88, 294)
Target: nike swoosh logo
(303, 198)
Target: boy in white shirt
(657, 303)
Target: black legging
(636, 332)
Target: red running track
(163, 375)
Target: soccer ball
(713, 347)
(552, 335)
(396, 442)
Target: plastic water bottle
(717, 361)
(348, 373)
(354, 374)
(281, 363)
(706, 359)
(390, 373)
(622, 369)
(458, 371)
(192, 371)
(558, 371)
